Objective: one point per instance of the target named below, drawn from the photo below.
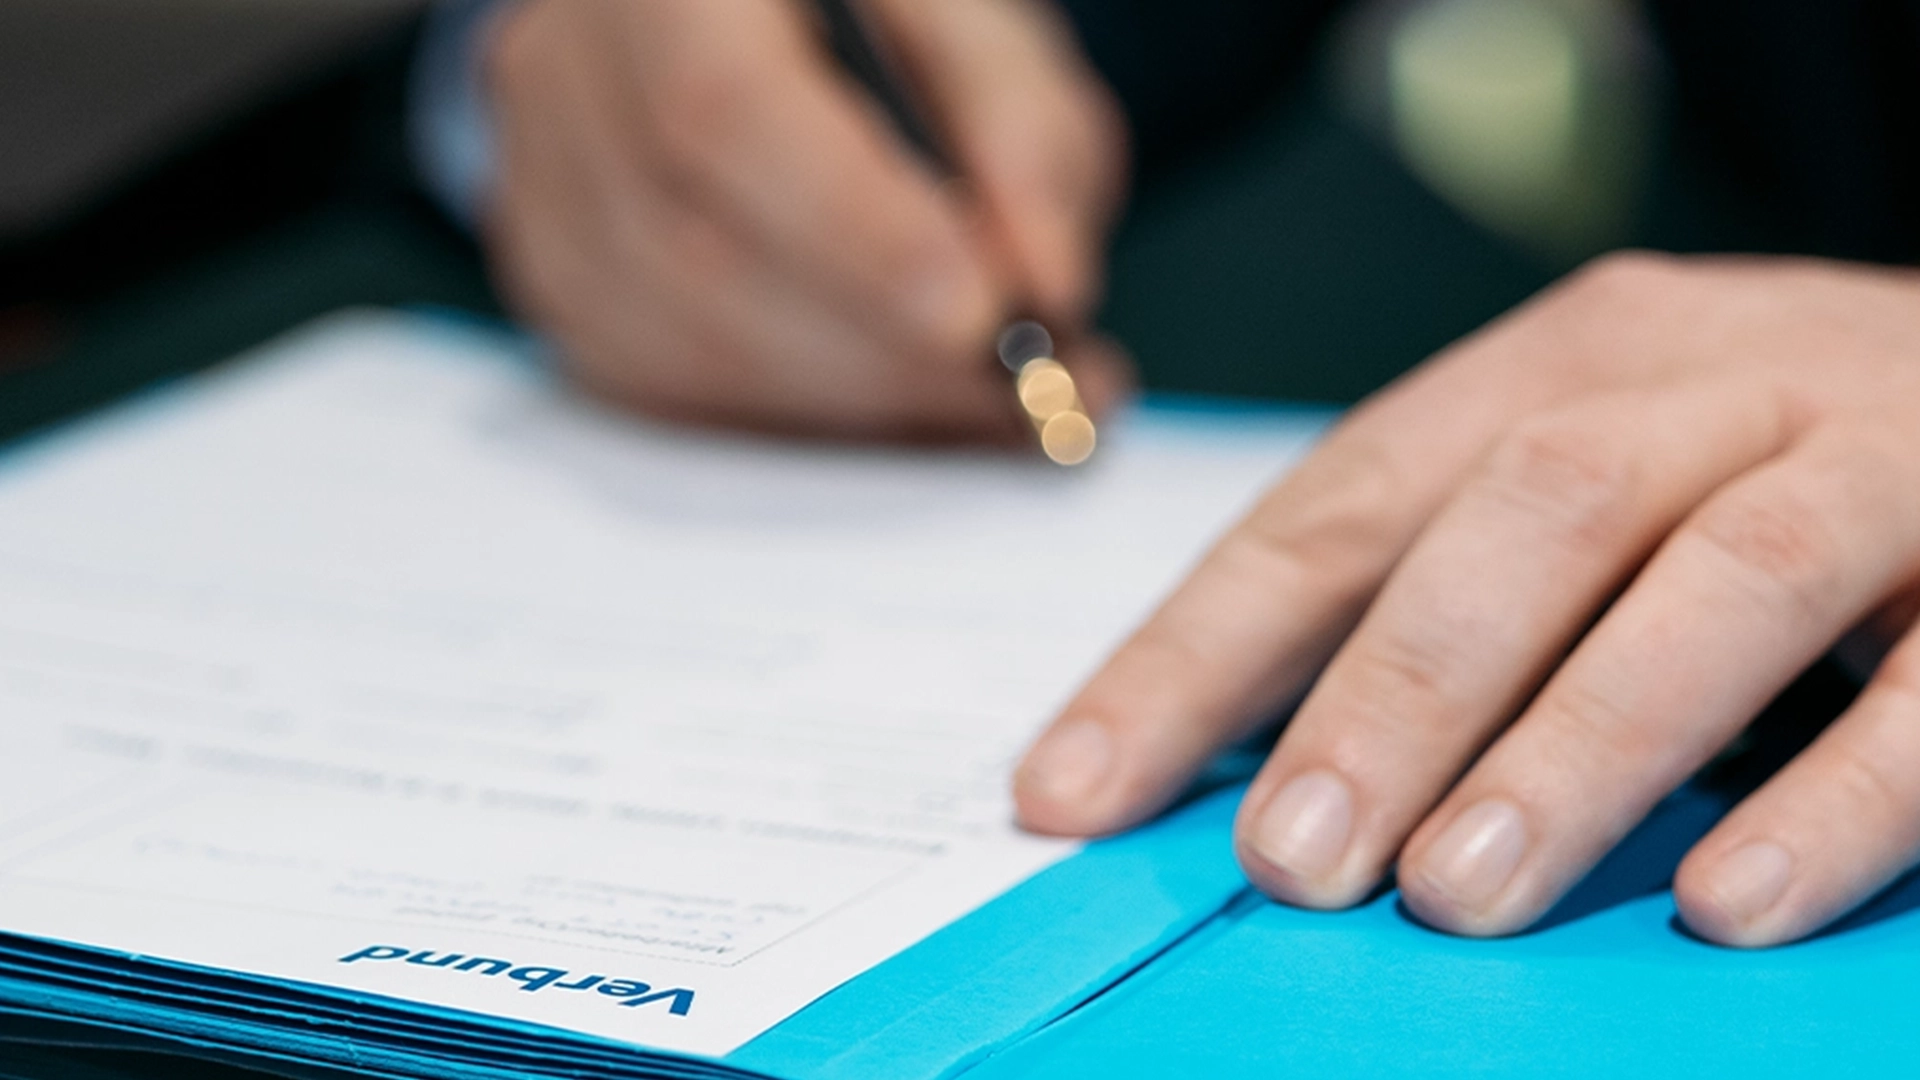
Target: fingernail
(1474, 857)
(1069, 763)
(1751, 880)
(1304, 828)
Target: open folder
(374, 701)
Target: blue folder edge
(1019, 962)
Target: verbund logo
(627, 993)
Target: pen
(1043, 386)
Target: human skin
(719, 227)
(1533, 586)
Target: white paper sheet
(379, 662)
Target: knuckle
(698, 109)
(1164, 649)
(1629, 276)
(1339, 517)
(1562, 470)
(1866, 783)
(897, 262)
(1592, 718)
(701, 254)
(1779, 547)
(1162, 671)
(1580, 323)
(1403, 674)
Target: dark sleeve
(1186, 69)
(1807, 114)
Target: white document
(379, 662)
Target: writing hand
(718, 226)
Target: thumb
(1036, 134)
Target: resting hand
(718, 226)
(1536, 585)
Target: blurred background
(1326, 193)
(182, 178)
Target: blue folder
(1611, 986)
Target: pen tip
(1023, 342)
(1068, 438)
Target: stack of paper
(376, 703)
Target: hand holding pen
(719, 225)
(1043, 388)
